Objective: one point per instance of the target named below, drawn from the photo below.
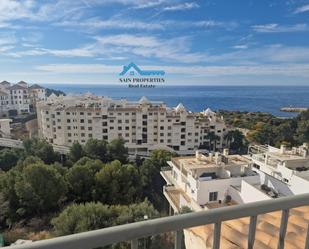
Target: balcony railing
(133, 232)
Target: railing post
(217, 235)
(252, 229)
(283, 227)
(307, 238)
(134, 244)
(178, 239)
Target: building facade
(19, 97)
(282, 168)
(144, 125)
(206, 182)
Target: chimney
(210, 156)
(197, 155)
(304, 153)
(282, 149)
(217, 158)
(225, 152)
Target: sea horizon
(199, 97)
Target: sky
(209, 42)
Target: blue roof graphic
(141, 72)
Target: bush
(90, 216)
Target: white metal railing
(133, 232)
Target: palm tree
(229, 137)
(212, 138)
(236, 141)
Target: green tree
(39, 189)
(117, 150)
(42, 149)
(8, 158)
(96, 149)
(9, 202)
(94, 164)
(80, 180)
(213, 139)
(76, 152)
(152, 181)
(236, 141)
(118, 184)
(78, 218)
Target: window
(89, 128)
(213, 196)
(89, 121)
(82, 121)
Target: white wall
(221, 186)
(250, 193)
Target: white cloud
(242, 46)
(76, 52)
(302, 9)
(181, 6)
(214, 23)
(276, 28)
(176, 49)
(7, 42)
(79, 68)
(95, 23)
(125, 45)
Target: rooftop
(283, 153)
(36, 86)
(200, 161)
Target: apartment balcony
(286, 207)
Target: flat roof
(286, 156)
(191, 162)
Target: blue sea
(197, 98)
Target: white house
(202, 182)
(287, 170)
(19, 97)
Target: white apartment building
(202, 182)
(285, 169)
(144, 125)
(205, 182)
(19, 97)
(37, 93)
